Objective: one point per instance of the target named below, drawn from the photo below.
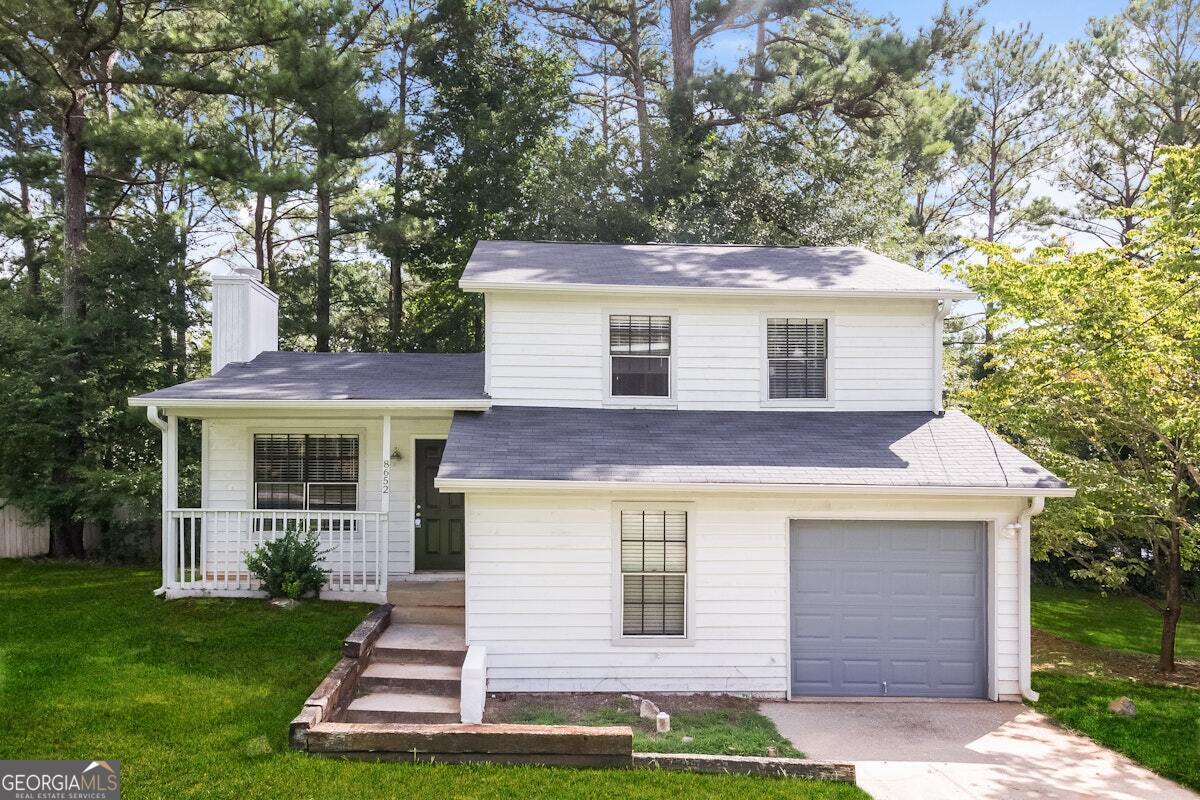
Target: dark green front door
(439, 519)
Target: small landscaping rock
(635, 702)
(687, 739)
(284, 602)
(772, 752)
(662, 723)
(1123, 707)
(647, 710)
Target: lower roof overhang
(496, 485)
(183, 407)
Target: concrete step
(430, 679)
(427, 593)
(402, 707)
(421, 644)
(429, 615)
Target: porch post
(170, 490)
(382, 537)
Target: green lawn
(1121, 623)
(194, 698)
(734, 731)
(1164, 736)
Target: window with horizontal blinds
(301, 471)
(653, 572)
(797, 358)
(640, 348)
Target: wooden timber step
(431, 679)
(402, 707)
(421, 644)
(427, 593)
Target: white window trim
(619, 637)
(638, 401)
(252, 494)
(765, 399)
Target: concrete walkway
(956, 750)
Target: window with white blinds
(797, 358)
(640, 349)
(654, 572)
(305, 472)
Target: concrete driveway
(956, 750)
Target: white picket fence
(19, 539)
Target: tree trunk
(1173, 609)
(260, 207)
(324, 256)
(29, 255)
(66, 532)
(683, 63)
(271, 273)
(760, 55)
(396, 257)
(641, 104)
(74, 168)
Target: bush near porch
(194, 698)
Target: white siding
(550, 349)
(541, 590)
(19, 538)
(228, 475)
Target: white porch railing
(205, 549)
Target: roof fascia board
(475, 285)
(472, 404)
(472, 484)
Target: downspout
(939, 318)
(161, 424)
(1025, 521)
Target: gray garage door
(895, 608)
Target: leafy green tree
(494, 100)
(1139, 90)
(322, 73)
(1096, 376)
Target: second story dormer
(709, 327)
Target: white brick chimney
(245, 317)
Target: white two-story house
(674, 468)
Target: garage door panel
(895, 603)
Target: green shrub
(289, 566)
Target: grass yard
(1164, 736)
(1117, 622)
(193, 697)
(1101, 648)
(699, 724)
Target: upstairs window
(654, 572)
(302, 472)
(640, 349)
(797, 358)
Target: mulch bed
(1053, 654)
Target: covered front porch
(362, 482)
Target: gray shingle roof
(338, 376)
(735, 447)
(691, 267)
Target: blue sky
(1058, 20)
